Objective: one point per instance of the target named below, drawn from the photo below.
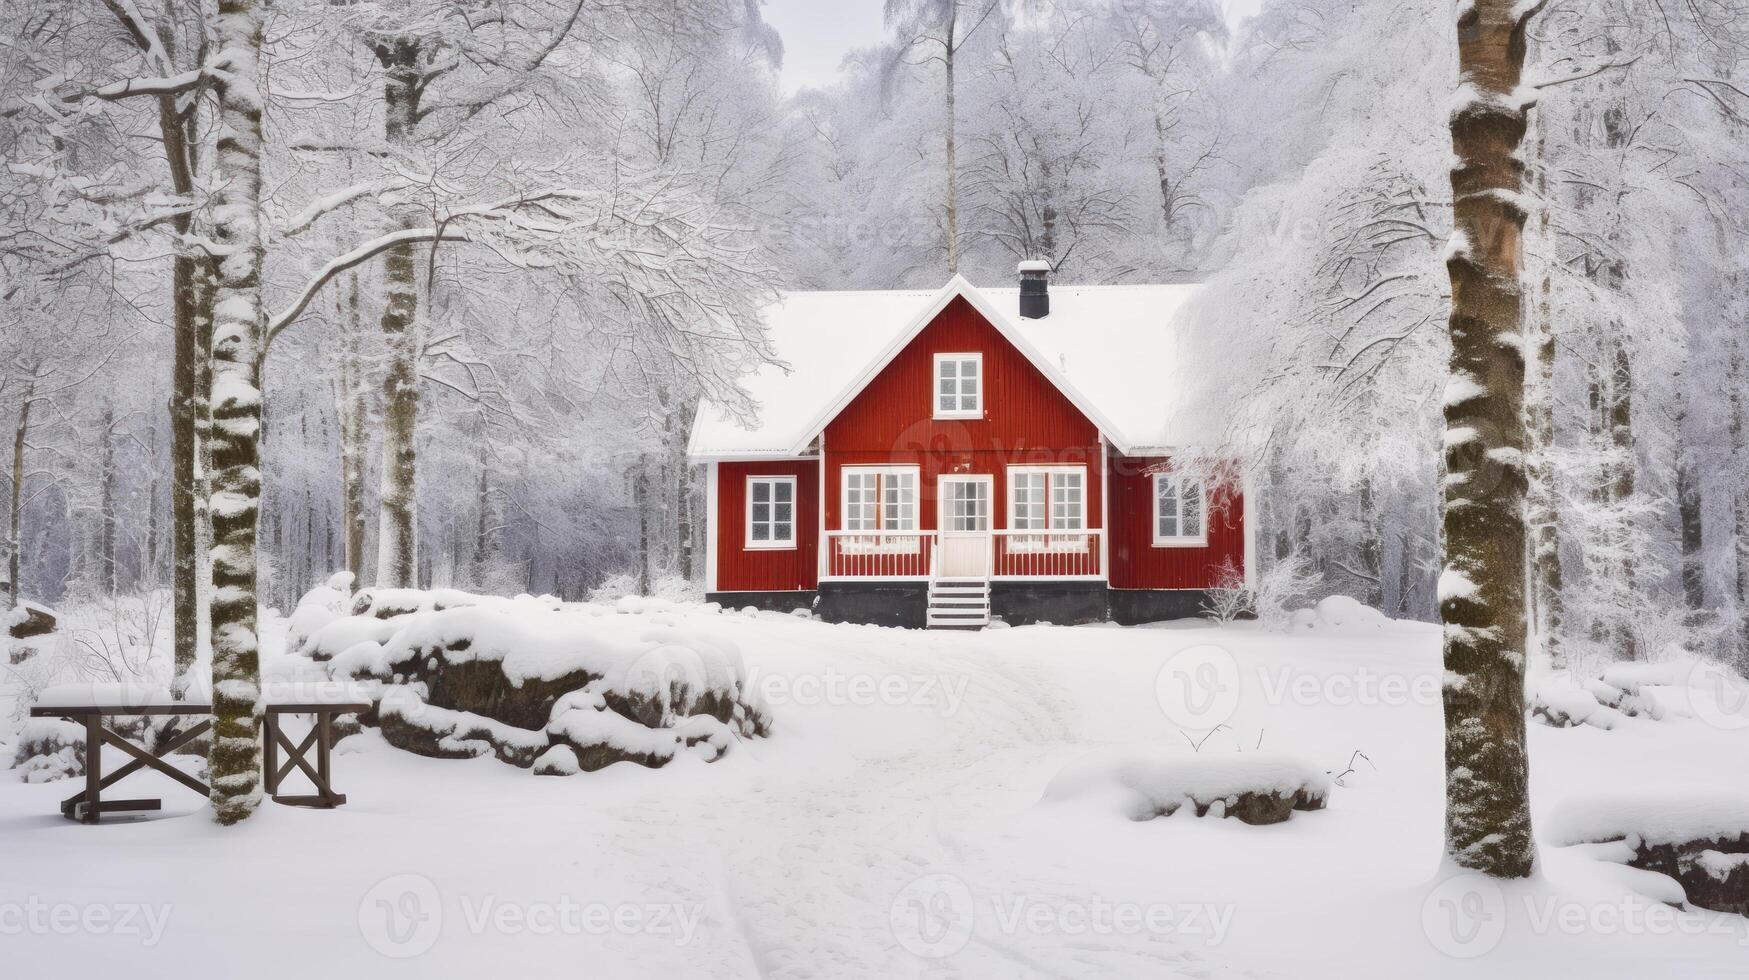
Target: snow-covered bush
(1700, 841)
(1231, 599)
(1255, 787)
(1282, 585)
(669, 588)
(48, 749)
(515, 677)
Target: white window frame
(880, 539)
(773, 543)
(976, 412)
(1199, 540)
(1049, 537)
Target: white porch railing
(1047, 554)
(923, 555)
(878, 554)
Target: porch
(960, 556)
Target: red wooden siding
(740, 569)
(1136, 563)
(1027, 421)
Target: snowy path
(890, 827)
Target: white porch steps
(961, 602)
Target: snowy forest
(507, 246)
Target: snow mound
(320, 606)
(1338, 615)
(515, 677)
(1255, 787)
(1648, 819)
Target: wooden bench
(89, 806)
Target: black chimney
(1035, 289)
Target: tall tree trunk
(1539, 408)
(191, 278)
(396, 519)
(15, 508)
(235, 757)
(1740, 503)
(1689, 517)
(641, 494)
(1482, 589)
(353, 437)
(953, 212)
(106, 500)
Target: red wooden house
(936, 458)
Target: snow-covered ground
(894, 825)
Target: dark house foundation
(905, 604)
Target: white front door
(964, 522)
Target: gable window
(771, 512)
(1180, 511)
(959, 386)
(1047, 498)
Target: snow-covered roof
(1112, 350)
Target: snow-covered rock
(1255, 787)
(320, 606)
(1554, 700)
(1680, 686)
(1699, 841)
(515, 677)
(27, 619)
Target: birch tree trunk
(106, 500)
(15, 508)
(1539, 410)
(1482, 588)
(396, 546)
(353, 438)
(235, 757)
(953, 213)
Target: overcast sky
(818, 33)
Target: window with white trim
(1047, 498)
(1180, 511)
(959, 386)
(880, 498)
(771, 512)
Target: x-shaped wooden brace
(297, 757)
(95, 782)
